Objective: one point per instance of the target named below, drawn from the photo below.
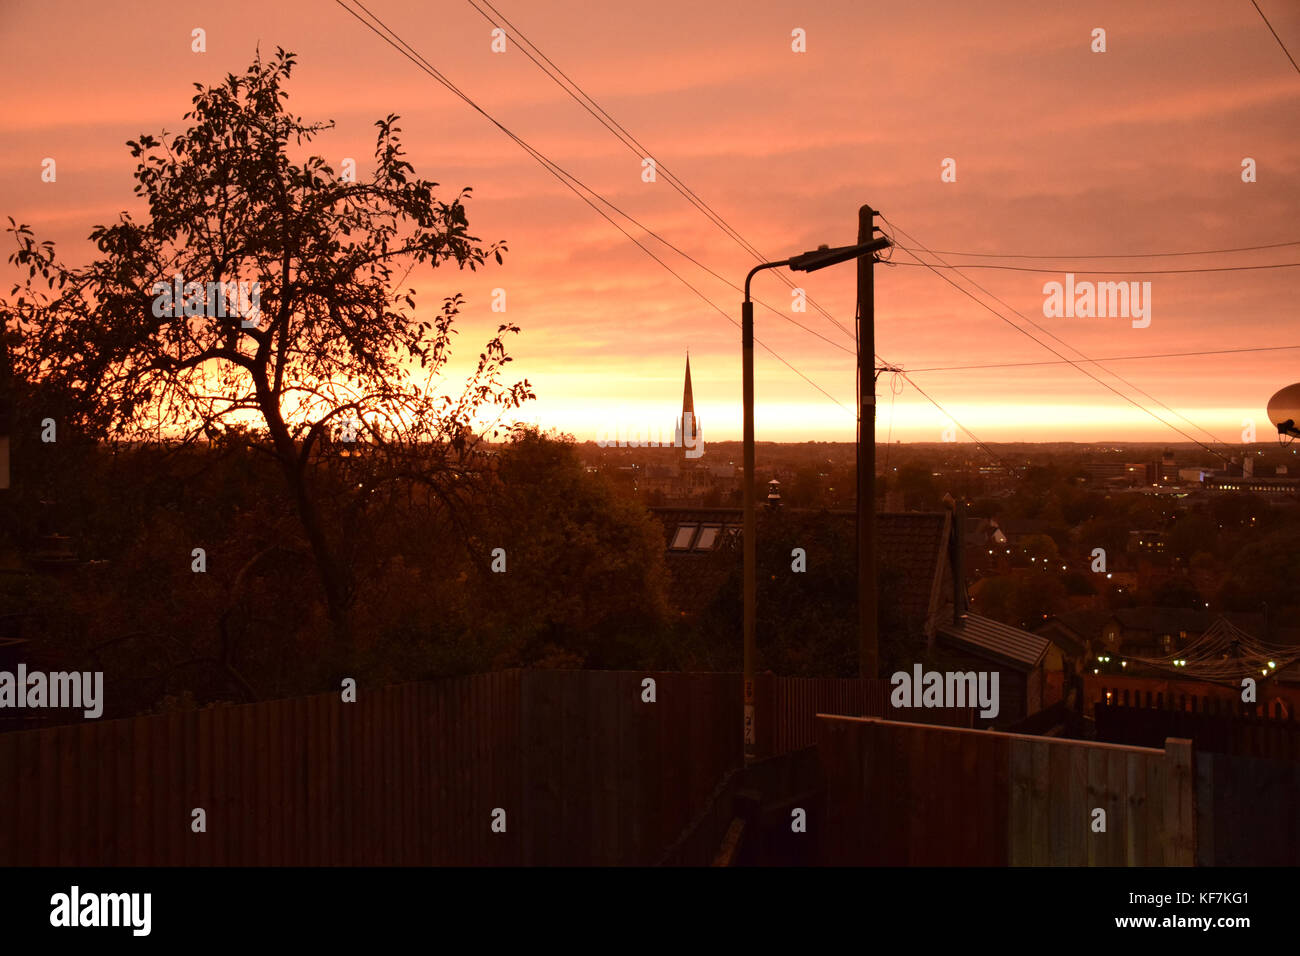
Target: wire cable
(1128, 255)
(1115, 272)
(564, 177)
(1275, 36)
(583, 99)
(1075, 363)
(1112, 358)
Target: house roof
(1163, 619)
(1064, 638)
(1012, 526)
(1084, 624)
(914, 545)
(911, 544)
(1001, 642)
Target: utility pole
(748, 541)
(819, 258)
(868, 639)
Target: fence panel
(922, 795)
(1247, 811)
(1213, 725)
(585, 771)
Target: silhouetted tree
(323, 339)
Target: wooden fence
(1248, 811)
(585, 770)
(910, 794)
(406, 775)
(788, 708)
(609, 779)
(1213, 724)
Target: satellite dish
(1284, 412)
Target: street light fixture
(811, 261)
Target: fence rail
(789, 720)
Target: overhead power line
(1065, 359)
(588, 103)
(1112, 358)
(991, 453)
(1126, 255)
(1275, 36)
(575, 91)
(1112, 272)
(569, 180)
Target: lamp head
(824, 256)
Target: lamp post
(806, 262)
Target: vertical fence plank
(1117, 816)
(350, 723)
(1021, 814)
(9, 809)
(1078, 816)
(142, 794)
(1063, 826)
(171, 819)
(46, 781)
(1180, 810)
(72, 796)
(1040, 824)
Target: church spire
(688, 400)
(688, 427)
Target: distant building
(690, 436)
(1125, 473)
(1146, 542)
(1166, 470)
(1266, 486)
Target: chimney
(774, 494)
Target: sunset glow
(1057, 150)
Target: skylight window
(682, 539)
(708, 537)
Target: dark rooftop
(1001, 642)
(911, 544)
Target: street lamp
(818, 258)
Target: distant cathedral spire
(688, 427)
(688, 400)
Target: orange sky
(1058, 150)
